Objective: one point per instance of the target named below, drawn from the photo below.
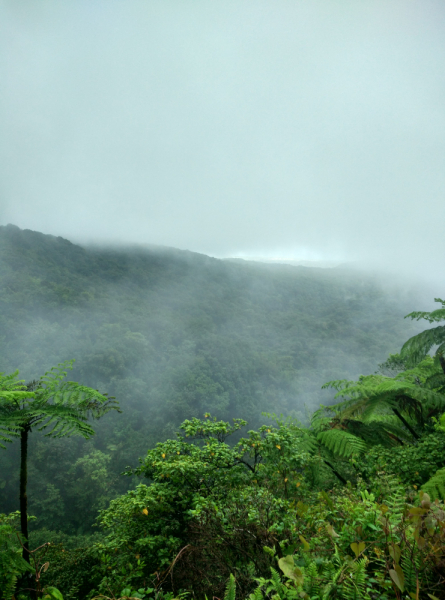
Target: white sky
(305, 129)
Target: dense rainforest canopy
(317, 503)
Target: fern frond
(8, 592)
(436, 381)
(337, 384)
(431, 317)
(60, 407)
(311, 584)
(8, 427)
(307, 443)
(418, 346)
(354, 587)
(395, 499)
(13, 395)
(342, 443)
(57, 373)
(381, 430)
(230, 589)
(257, 594)
(411, 565)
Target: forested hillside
(169, 346)
(173, 334)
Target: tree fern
(61, 407)
(413, 397)
(407, 391)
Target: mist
(304, 130)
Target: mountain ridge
(174, 334)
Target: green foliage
(394, 555)
(73, 571)
(326, 511)
(409, 391)
(418, 346)
(413, 464)
(194, 477)
(51, 403)
(10, 389)
(230, 589)
(175, 334)
(211, 507)
(12, 565)
(341, 442)
(62, 407)
(435, 486)
(203, 520)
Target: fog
(306, 130)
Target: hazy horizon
(310, 131)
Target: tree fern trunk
(407, 425)
(23, 496)
(336, 473)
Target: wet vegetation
(227, 499)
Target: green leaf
(394, 551)
(358, 548)
(331, 531)
(54, 592)
(397, 576)
(305, 543)
(417, 511)
(327, 500)
(289, 569)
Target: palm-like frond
(431, 317)
(342, 443)
(436, 381)
(416, 401)
(379, 410)
(336, 384)
(8, 429)
(61, 421)
(381, 430)
(51, 403)
(418, 346)
(411, 391)
(11, 394)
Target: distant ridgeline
(173, 334)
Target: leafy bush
(12, 565)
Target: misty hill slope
(183, 333)
(174, 334)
